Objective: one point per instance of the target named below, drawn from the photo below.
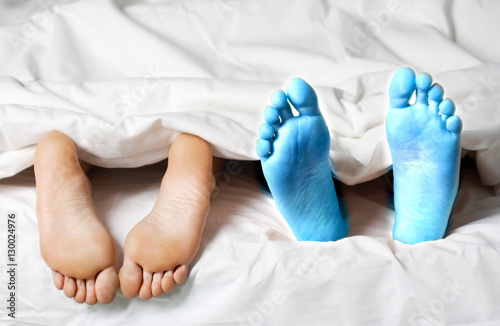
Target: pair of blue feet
(424, 139)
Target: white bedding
(124, 78)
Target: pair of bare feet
(424, 141)
(79, 249)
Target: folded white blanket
(123, 80)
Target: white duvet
(124, 78)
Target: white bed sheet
(251, 271)
(123, 78)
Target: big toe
(106, 285)
(402, 86)
(130, 278)
(302, 96)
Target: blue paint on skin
(294, 155)
(424, 139)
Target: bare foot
(160, 247)
(73, 241)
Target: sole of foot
(294, 153)
(424, 140)
(160, 247)
(73, 241)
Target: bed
(124, 78)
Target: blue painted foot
(424, 139)
(294, 152)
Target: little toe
(167, 282)
(435, 97)
(130, 278)
(263, 148)
(69, 287)
(303, 97)
(156, 289)
(180, 274)
(91, 297)
(58, 279)
(145, 291)
(402, 88)
(447, 107)
(423, 82)
(280, 101)
(454, 124)
(80, 291)
(106, 285)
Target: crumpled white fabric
(123, 79)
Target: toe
(263, 148)
(145, 291)
(130, 278)
(180, 274)
(280, 102)
(156, 289)
(91, 297)
(167, 282)
(402, 88)
(69, 287)
(58, 279)
(424, 82)
(302, 96)
(271, 115)
(106, 285)
(435, 96)
(266, 131)
(81, 292)
(454, 124)
(447, 107)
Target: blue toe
(424, 82)
(454, 124)
(436, 93)
(266, 131)
(402, 88)
(435, 96)
(447, 107)
(302, 96)
(280, 101)
(271, 115)
(263, 148)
